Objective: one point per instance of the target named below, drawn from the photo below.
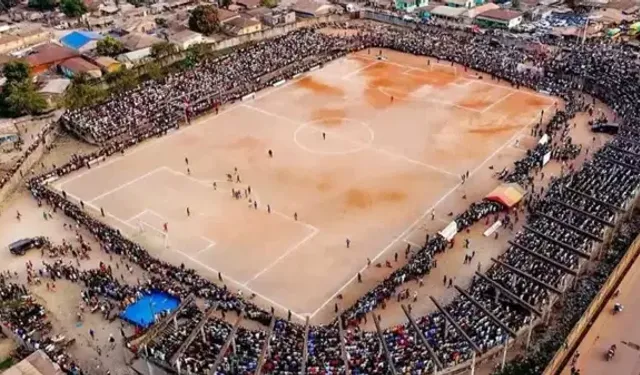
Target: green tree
(162, 50)
(5, 5)
(269, 3)
(83, 93)
(122, 80)
(42, 4)
(21, 98)
(153, 70)
(109, 46)
(73, 8)
(16, 71)
(515, 4)
(204, 19)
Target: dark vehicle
(605, 128)
(20, 247)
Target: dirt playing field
(363, 149)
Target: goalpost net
(152, 233)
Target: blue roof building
(81, 41)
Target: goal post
(145, 228)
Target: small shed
(54, 89)
(107, 64)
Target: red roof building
(49, 55)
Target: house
(49, 55)
(186, 38)
(225, 16)
(410, 5)
(503, 18)
(461, 3)
(310, 8)
(37, 363)
(282, 17)
(243, 26)
(447, 12)
(81, 40)
(139, 47)
(53, 90)
(139, 25)
(249, 4)
(107, 64)
(76, 66)
(139, 41)
(474, 12)
(98, 22)
(23, 39)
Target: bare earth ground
(399, 133)
(301, 182)
(621, 329)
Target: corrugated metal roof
(445, 11)
(50, 53)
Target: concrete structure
(76, 66)
(243, 26)
(309, 8)
(81, 40)
(23, 39)
(139, 41)
(53, 90)
(186, 38)
(410, 5)
(37, 363)
(502, 18)
(447, 12)
(468, 4)
(48, 56)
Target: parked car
(20, 247)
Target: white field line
(403, 235)
(356, 143)
(293, 248)
(505, 97)
(240, 285)
(128, 183)
(348, 75)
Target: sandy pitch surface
(363, 149)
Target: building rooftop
(56, 86)
(446, 11)
(500, 14)
(79, 65)
(136, 41)
(77, 39)
(242, 22)
(50, 53)
(37, 363)
(184, 36)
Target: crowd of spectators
(28, 323)
(587, 199)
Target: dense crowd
(587, 200)
(27, 321)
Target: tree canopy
(109, 46)
(269, 3)
(19, 96)
(16, 71)
(162, 50)
(204, 19)
(73, 8)
(42, 4)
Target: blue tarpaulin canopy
(142, 312)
